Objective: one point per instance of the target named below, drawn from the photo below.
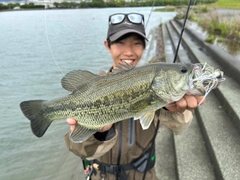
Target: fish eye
(184, 69)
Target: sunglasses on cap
(118, 18)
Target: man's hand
(72, 122)
(187, 102)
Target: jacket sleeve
(177, 122)
(91, 148)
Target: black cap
(116, 31)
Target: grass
(224, 26)
(196, 9)
(221, 28)
(199, 9)
(231, 4)
(221, 25)
(228, 4)
(166, 9)
(210, 39)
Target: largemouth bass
(96, 101)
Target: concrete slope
(210, 148)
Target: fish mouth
(203, 79)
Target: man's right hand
(72, 122)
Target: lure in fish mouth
(203, 79)
(96, 101)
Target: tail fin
(33, 111)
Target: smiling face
(128, 49)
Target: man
(122, 150)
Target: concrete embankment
(209, 149)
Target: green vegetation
(123, 3)
(210, 39)
(232, 4)
(220, 25)
(102, 4)
(199, 9)
(219, 40)
(221, 28)
(25, 6)
(31, 6)
(166, 9)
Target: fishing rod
(150, 14)
(183, 28)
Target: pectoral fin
(140, 105)
(81, 134)
(146, 120)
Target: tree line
(10, 6)
(102, 4)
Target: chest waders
(142, 164)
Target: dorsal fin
(76, 78)
(122, 67)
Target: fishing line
(50, 48)
(49, 45)
(150, 14)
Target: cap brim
(119, 34)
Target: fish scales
(100, 101)
(117, 100)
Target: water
(36, 49)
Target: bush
(224, 26)
(210, 39)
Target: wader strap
(141, 164)
(138, 165)
(152, 146)
(118, 170)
